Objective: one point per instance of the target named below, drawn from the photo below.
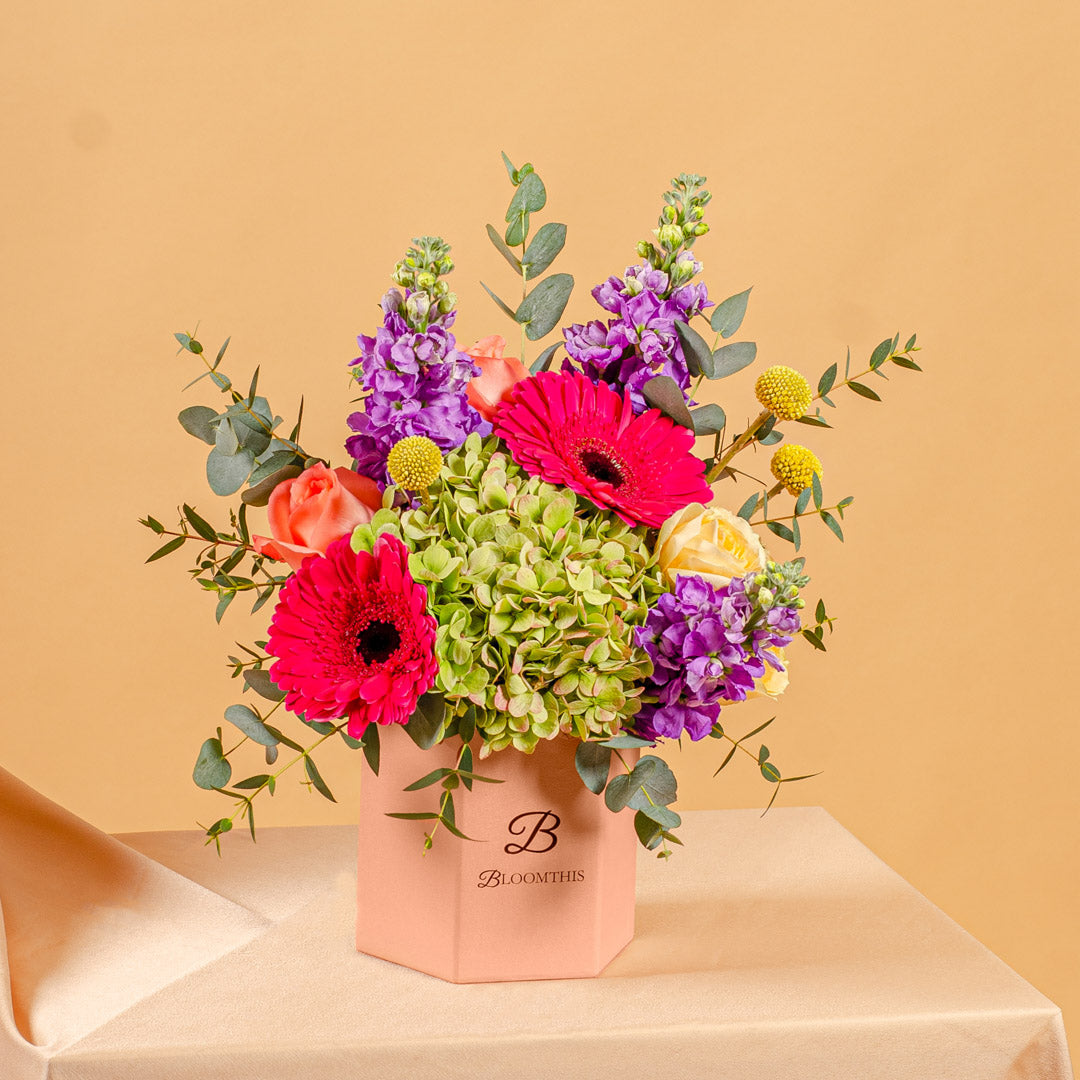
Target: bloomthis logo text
(538, 827)
(490, 879)
(536, 833)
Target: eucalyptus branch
(665, 850)
(791, 517)
(241, 400)
(244, 801)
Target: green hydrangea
(536, 597)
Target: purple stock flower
(640, 342)
(417, 384)
(709, 645)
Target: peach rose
(498, 375)
(308, 513)
(710, 542)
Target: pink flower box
(546, 892)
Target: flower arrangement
(518, 554)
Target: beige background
(258, 168)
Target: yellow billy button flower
(414, 462)
(794, 466)
(784, 392)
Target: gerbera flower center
(600, 467)
(377, 641)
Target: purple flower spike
(417, 384)
(640, 342)
(708, 646)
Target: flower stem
(789, 517)
(740, 443)
(524, 293)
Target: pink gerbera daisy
(566, 429)
(353, 638)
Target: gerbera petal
(352, 637)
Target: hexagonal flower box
(546, 892)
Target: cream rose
(710, 542)
(773, 683)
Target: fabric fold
(89, 927)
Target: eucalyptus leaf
(618, 792)
(518, 229)
(708, 419)
(542, 361)
(833, 524)
(778, 528)
(371, 747)
(653, 783)
(202, 527)
(225, 438)
(245, 719)
(747, 509)
(728, 315)
(734, 357)
(259, 494)
(211, 770)
(770, 772)
(167, 549)
(864, 391)
(827, 380)
(503, 305)
(252, 782)
(316, 778)
(543, 248)
(881, 354)
(227, 473)
(541, 310)
(627, 742)
(530, 196)
(263, 685)
(593, 762)
(662, 392)
(664, 817)
(222, 605)
(503, 250)
(195, 420)
(648, 831)
(426, 723)
(696, 351)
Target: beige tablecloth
(776, 948)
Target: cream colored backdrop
(257, 168)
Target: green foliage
(731, 358)
(662, 392)
(593, 763)
(541, 310)
(708, 419)
(212, 770)
(728, 315)
(695, 349)
(542, 306)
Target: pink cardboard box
(545, 892)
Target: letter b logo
(540, 825)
